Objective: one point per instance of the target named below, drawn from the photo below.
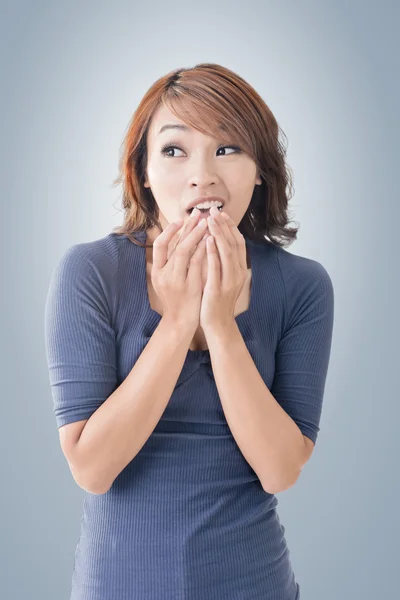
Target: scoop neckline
(241, 319)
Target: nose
(203, 175)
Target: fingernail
(201, 223)
(195, 212)
(214, 211)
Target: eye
(235, 148)
(167, 147)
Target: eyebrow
(174, 126)
(181, 127)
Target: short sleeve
(79, 338)
(303, 352)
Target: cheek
(240, 189)
(160, 174)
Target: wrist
(182, 328)
(223, 330)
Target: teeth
(207, 205)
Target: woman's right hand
(176, 273)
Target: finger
(226, 230)
(227, 254)
(238, 238)
(214, 264)
(160, 244)
(184, 250)
(196, 261)
(190, 223)
(174, 242)
(185, 230)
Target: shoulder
(88, 270)
(305, 283)
(296, 273)
(100, 255)
(302, 275)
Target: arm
(269, 439)
(276, 429)
(119, 428)
(103, 423)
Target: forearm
(268, 438)
(119, 428)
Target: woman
(187, 374)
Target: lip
(200, 199)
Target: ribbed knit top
(187, 518)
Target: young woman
(187, 358)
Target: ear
(258, 178)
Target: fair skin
(269, 439)
(196, 165)
(200, 166)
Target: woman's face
(199, 165)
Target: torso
(199, 341)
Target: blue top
(187, 518)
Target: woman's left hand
(226, 272)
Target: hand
(176, 271)
(226, 272)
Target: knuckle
(196, 258)
(181, 249)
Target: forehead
(165, 120)
(163, 116)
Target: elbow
(95, 490)
(92, 487)
(87, 481)
(279, 484)
(275, 489)
(286, 476)
(272, 489)
(87, 478)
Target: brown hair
(206, 97)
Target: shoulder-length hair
(215, 101)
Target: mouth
(205, 212)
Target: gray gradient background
(72, 75)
